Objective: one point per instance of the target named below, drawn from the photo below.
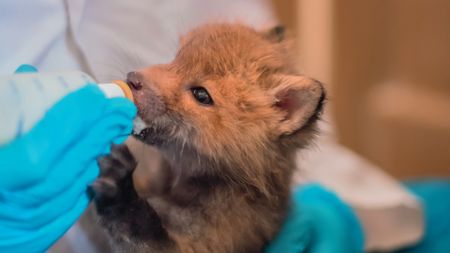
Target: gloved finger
(294, 236)
(52, 186)
(334, 225)
(19, 217)
(94, 144)
(42, 150)
(125, 106)
(47, 141)
(116, 121)
(296, 233)
(330, 235)
(26, 68)
(86, 106)
(40, 240)
(114, 115)
(121, 106)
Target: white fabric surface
(35, 32)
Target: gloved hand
(318, 222)
(45, 173)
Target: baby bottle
(26, 97)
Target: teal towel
(435, 197)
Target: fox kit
(225, 118)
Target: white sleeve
(118, 36)
(36, 32)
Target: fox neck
(265, 174)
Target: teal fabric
(435, 198)
(45, 173)
(318, 222)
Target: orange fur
(228, 165)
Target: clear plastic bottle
(26, 97)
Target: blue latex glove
(318, 222)
(45, 173)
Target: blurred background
(387, 68)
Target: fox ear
(298, 99)
(275, 34)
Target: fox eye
(202, 95)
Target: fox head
(230, 100)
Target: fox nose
(134, 80)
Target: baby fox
(225, 118)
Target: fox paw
(115, 184)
